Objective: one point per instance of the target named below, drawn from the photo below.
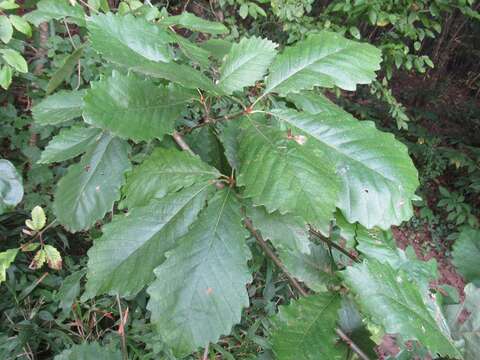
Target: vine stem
(266, 248)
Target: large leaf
(464, 321)
(466, 255)
(393, 300)
(59, 107)
(305, 329)
(380, 245)
(303, 259)
(315, 269)
(132, 245)
(284, 231)
(89, 189)
(200, 289)
(70, 142)
(11, 186)
(143, 47)
(326, 59)
(6, 259)
(133, 108)
(164, 171)
(128, 40)
(246, 63)
(56, 9)
(89, 351)
(190, 21)
(378, 177)
(284, 173)
(316, 103)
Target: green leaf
(6, 74)
(394, 301)
(200, 289)
(133, 245)
(165, 171)
(89, 189)
(305, 329)
(65, 70)
(284, 231)
(380, 245)
(316, 103)
(6, 29)
(315, 269)
(69, 143)
(6, 259)
(8, 5)
(38, 220)
(192, 51)
(15, 60)
(70, 290)
(59, 107)
(11, 186)
(54, 259)
(326, 59)
(464, 321)
(144, 110)
(190, 21)
(128, 40)
(246, 63)
(218, 48)
(182, 74)
(466, 255)
(378, 177)
(56, 9)
(283, 174)
(243, 12)
(88, 351)
(21, 25)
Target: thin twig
(263, 244)
(334, 245)
(205, 353)
(181, 142)
(121, 330)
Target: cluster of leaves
(264, 154)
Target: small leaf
(21, 25)
(144, 111)
(6, 74)
(190, 21)
(8, 5)
(11, 186)
(56, 9)
(6, 29)
(70, 290)
(69, 143)
(54, 259)
(243, 12)
(88, 351)
(38, 260)
(89, 189)
(6, 259)
(246, 63)
(305, 329)
(65, 70)
(38, 220)
(466, 255)
(59, 107)
(15, 60)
